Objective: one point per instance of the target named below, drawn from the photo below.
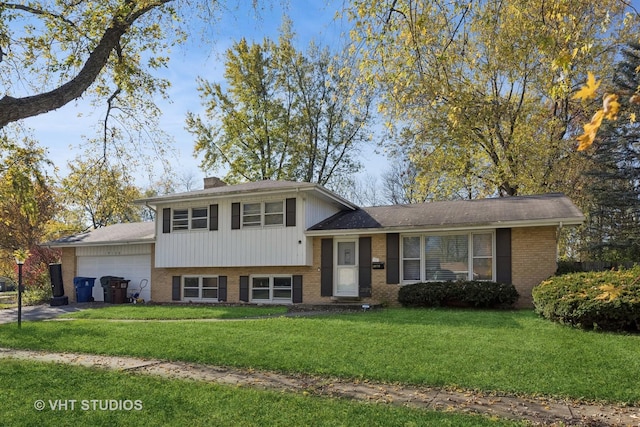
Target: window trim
(200, 287)
(263, 214)
(470, 255)
(272, 288)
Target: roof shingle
(552, 208)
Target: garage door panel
(132, 267)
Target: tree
(612, 184)
(485, 88)
(78, 44)
(282, 114)
(97, 194)
(27, 202)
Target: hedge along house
(291, 243)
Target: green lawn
(507, 351)
(76, 396)
(157, 312)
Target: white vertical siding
(114, 250)
(251, 246)
(259, 246)
(317, 210)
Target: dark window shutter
(326, 267)
(393, 258)
(213, 217)
(166, 220)
(503, 255)
(222, 288)
(235, 216)
(364, 267)
(175, 288)
(290, 210)
(244, 288)
(297, 289)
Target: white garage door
(132, 267)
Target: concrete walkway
(540, 411)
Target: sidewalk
(537, 410)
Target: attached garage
(121, 250)
(133, 262)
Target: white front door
(346, 262)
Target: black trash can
(105, 283)
(115, 289)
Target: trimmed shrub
(604, 300)
(458, 294)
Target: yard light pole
(20, 262)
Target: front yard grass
(77, 396)
(165, 312)
(514, 352)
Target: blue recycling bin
(84, 288)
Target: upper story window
(190, 219)
(181, 219)
(263, 214)
(199, 217)
(443, 257)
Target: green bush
(458, 294)
(604, 300)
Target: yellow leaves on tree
(609, 110)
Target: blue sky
(62, 131)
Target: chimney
(213, 182)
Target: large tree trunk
(13, 109)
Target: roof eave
(187, 197)
(558, 222)
(104, 243)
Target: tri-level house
(291, 243)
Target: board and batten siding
(316, 210)
(114, 250)
(227, 247)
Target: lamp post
(20, 262)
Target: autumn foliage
(610, 109)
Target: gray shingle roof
(264, 186)
(135, 232)
(545, 209)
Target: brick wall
(533, 259)
(69, 271)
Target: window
(262, 214)
(273, 213)
(443, 257)
(482, 257)
(200, 288)
(190, 219)
(199, 217)
(181, 219)
(271, 288)
(251, 215)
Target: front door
(346, 262)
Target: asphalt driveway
(39, 312)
